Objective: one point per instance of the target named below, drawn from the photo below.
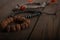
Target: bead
(18, 27)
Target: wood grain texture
(46, 28)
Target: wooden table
(43, 27)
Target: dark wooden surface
(43, 27)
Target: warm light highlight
(53, 1)
(30, 0)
